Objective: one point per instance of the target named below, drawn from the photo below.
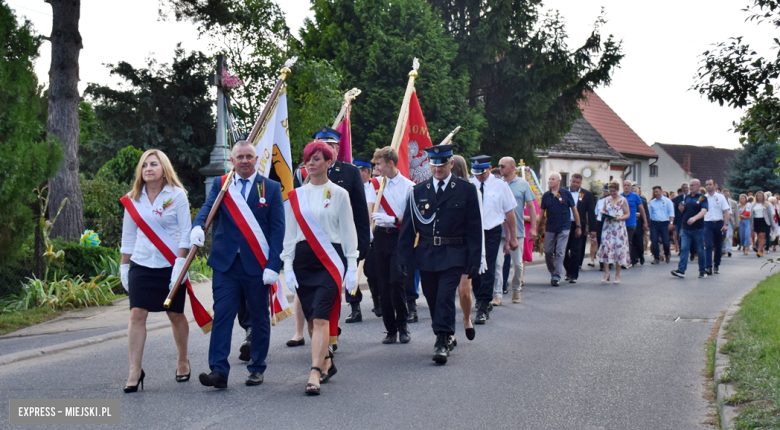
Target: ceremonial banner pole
(400, 126)
(283, 73)
(194, 249)
(449, 137)
(348, 97)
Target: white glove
(197, 236)
(270, 277)
(383, 220)
(124, 276)
(291, 280)
(351, 280)
(177, 266)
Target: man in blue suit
(238, 273)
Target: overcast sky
(662, 41)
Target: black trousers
(392, 291)
(637, 244)
(369, 269)
(440, 289)
(483, 284)
(575, 253)
(410, 283)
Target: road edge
(725, 391)
(54, 349)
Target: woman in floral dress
(614, 238)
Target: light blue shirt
(661, 210)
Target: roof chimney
(686, 164)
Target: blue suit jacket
(227, 238)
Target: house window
(653, 171)
(564, 179)
(637, 173)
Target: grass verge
(12, 321)
(754, 354)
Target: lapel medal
(427, 206)
(261, 194)
(326, 191)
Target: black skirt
(149, 289)
(317, 290)
(760, 225)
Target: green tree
(92, 141)
(755, 166)
(167, 107)
(313, 99)
(27, 159)
(371, 44)
(522, 71)
(254, 44)
(122, 167)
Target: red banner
(412, 161)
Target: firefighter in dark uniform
(442, 233)
(365, 167)
(346, 176)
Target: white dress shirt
(335, 220)
(445, 180)
(251, 179)
(396, 193)
(175, 219)
(575, 195)
(370, 192)
(497, 201)
(717, 203)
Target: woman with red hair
(320, 246)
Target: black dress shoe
(470, 333)
(213, 379)
(441, 350)
(184, 378)
(555, 282)
(377, 311)
(293, 342)
(390, 338)
(482, 316)
(412, 306)
(134, 388)
(356, 315)
(403, 334)
(246, 346)
(708, 271)
(566, 278)
(254, 378)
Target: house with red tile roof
(681, 163)
(621, 138)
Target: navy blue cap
(439, 154)
(479, 164)
(328, 135)
(362, 162)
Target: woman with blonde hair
(158, 202)
(761, 221)
(614, 237)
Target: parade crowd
(463, 231)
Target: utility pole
(219, 163)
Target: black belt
(714, 221)
(386, 230)
(659, 222)
(438, 241)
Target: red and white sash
(168, 247)
(384, 202)
(323, 249)
(247, 223)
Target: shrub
(122, 167)
(80, 260)
(62, 293)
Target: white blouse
(175, 218)
(336, 220)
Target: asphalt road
(581, 356)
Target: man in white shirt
(714, 226)
(364, 166)
(498, 204)
(387, 216)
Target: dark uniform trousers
(575, 253)
(638, 243)
(439, 289)
(391, 283)
(483, 284)
(442, 249)
(369, 269)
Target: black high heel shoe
(331, 371)
(184, 378)
(134, 388)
